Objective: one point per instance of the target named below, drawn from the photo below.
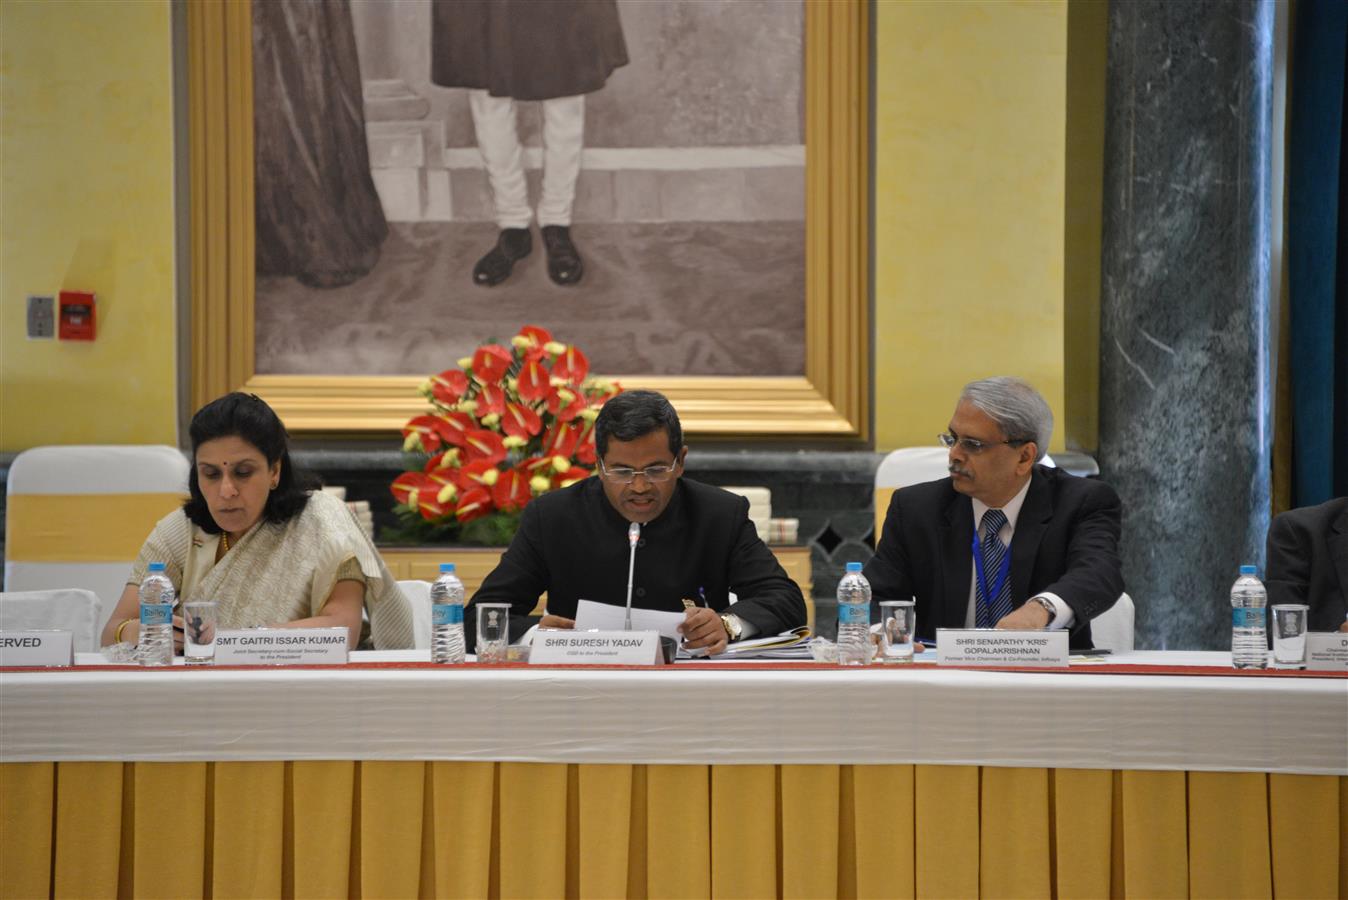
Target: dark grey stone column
(1185, 425)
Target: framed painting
(764, 332)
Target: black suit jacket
(1308, 561)
(1065, 542)
(573, 544)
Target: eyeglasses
(625, 475)
(973, 446)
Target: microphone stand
(633, 534)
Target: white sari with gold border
(280, 572)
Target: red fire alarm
(77, 316)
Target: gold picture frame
(831, 400)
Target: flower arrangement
(510, 423)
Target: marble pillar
(1185, 424)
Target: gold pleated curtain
(462, 829)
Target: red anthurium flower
(586, 454)
(491, 399)
(449, 386)
(533, 383)
(490, 363)
(424, 431)
(562, 440)
(414, 489)
(571, 476)
(478, 473)
(449, 459)
(512, 490)
(535, 465)
(566, 409)
(406, 486)
(430, 507)
(484, 444)
(473, 504)
(454, 427)
(539, 336)
(520, 421)
(572, 365)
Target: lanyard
(1004, 570)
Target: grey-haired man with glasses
(695, 542)
(1004, 541)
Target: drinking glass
(1289, 634)
(493, 631)
(898, 622)
(199, 624)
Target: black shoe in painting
(564, 262)
(512, 245)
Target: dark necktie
(990, 610)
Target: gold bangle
(117, 635)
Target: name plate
(595, 648)
(281, 647)
(1327, 651)
(992, 647)
(36, 648)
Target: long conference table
(1146, 775)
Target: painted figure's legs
(499, 144)
(563, 142)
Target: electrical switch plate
(41, 318)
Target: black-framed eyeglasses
(974, 446)
(624, 475)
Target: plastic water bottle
(1249, 641)
(155, 646)
(447, 617)
(854, 618)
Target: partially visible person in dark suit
(1308, 562)
(1003, 542)
(695, 541)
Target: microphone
(633, 535)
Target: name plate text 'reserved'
(595, 648)
(281, 647)
(36, 648)
(1327, 651)
(991, 647)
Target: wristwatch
(1048, 607)
(733, 627)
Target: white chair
(76, 516)
(65, 609)
(1113, 629)
(418, 595)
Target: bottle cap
(854, 567)
(446, 567)
(156, 567)
(1248, 570)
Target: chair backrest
(76, 516)
(911, 465)
(65, 609)
(1113, 628)
(418, 595)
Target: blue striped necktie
(990, 610)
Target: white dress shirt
(1062, 617)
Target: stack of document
(793, 644)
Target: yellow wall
(86, 203)
(969, 206)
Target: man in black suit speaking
(1003, 542)
(1308, 562)
(695, 541)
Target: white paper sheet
(606, 617)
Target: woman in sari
(255, 538)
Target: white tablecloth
(740, 714)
